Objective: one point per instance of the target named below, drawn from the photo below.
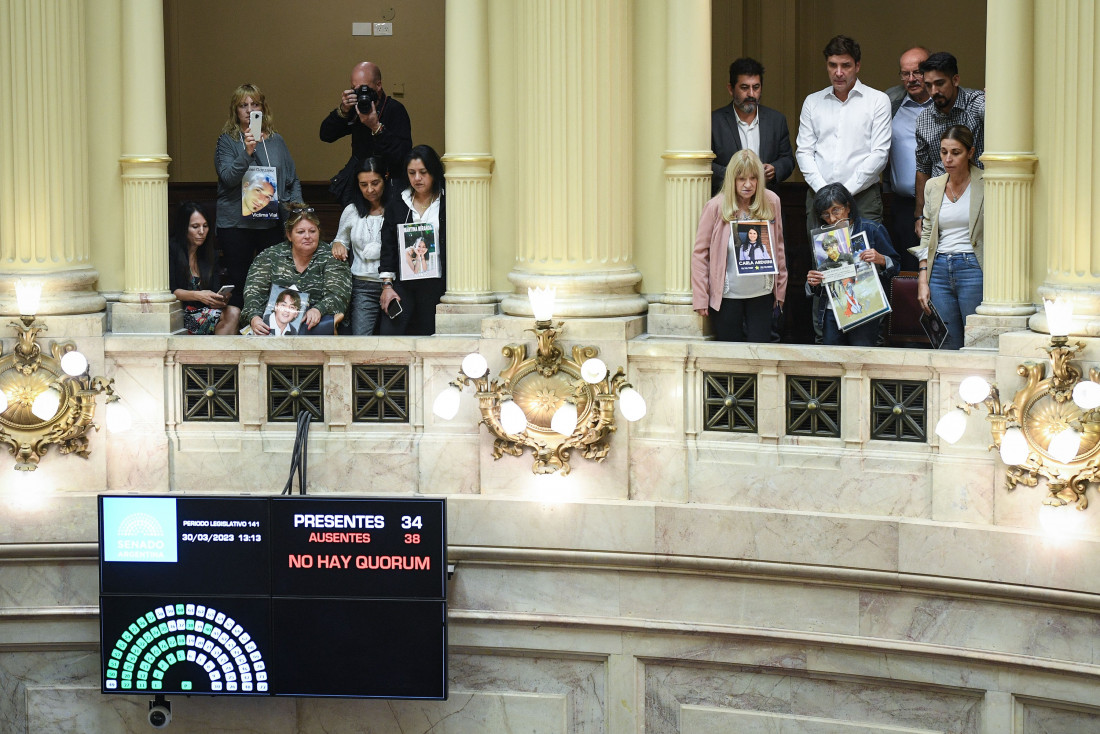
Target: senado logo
(139, 529)
(140, 532)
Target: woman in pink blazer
(738, 301)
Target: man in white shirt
(907, 101)
(844, 133)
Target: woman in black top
(421, 201)
(193, 274)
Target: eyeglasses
(911, 74)
(837, 212)
(298, 211)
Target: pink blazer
(708, 259)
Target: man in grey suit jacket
(745, 123)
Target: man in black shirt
(383, 130)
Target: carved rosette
(540, 385)
(1042, 409)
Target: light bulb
(974, 389)
(593, 370)
(542, 302)
(1064, 446)
(1014, 449)
(474, 365)
(565, 419)
(118, 417)
(74, 363)
(46, 404)
(632, 404)
(446, 403)
(1086, 394)
(512, 418)
(951, 426)
(28, 294)
(1059, 316)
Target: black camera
(364, 97)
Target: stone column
(1009, 162)
(146, 305)
(469, 165)
(1070, 159)
(44, 157)
(574, 145)
(687, 161)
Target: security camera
(160, 713)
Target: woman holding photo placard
(255, 176)
(833, 204)
(739, 305)
(413, 267)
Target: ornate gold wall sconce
(48, 399)
(549, 402)
(1051, 429)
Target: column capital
(1009, 164)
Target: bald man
(379, 128)
(907, 101)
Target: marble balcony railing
(872, 451)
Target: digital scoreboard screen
(273, 596)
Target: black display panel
(392, 653)
(164, 645)
(184, 545)
(368, 548)
(283, 596)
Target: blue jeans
(364, 308)
(955, 282)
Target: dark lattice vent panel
(210, 392)
(899, 410)
(292, 389)
(813, 406)
(381, 393)
(729, 402)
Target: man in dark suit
(745, 123)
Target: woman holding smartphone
(359, 240)
(193, 274)
(255, 176)
(414, 294)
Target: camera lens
(157, 718)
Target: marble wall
(699, 582)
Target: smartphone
(255, 123)
(395, 309)
(225, 290)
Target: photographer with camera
(379, 126)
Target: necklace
(959, 191)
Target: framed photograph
(832, 250)
(419, 251)
(857, 298)
(285, 309)
(752, 242)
